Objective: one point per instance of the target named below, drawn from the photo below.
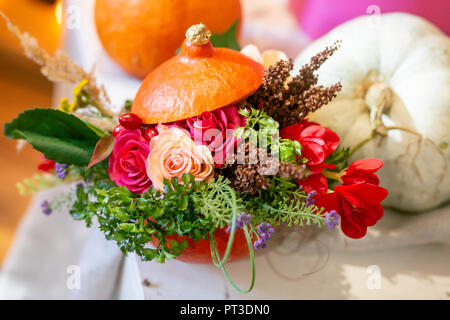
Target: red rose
(359, 206)
(127, 163)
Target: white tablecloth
(48, 251)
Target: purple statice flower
(244, 218)
(61, 170)
(265, 231)
(332, 219)
(46, 208)
(310, 198)
(259, 244)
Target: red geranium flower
(359, 206)
(316, 182)
(46, 164)
(362, 171)
(358, 201)
(317, 144)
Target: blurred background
(22, 86)
(293, 22)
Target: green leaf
(102, 150)
(227, 39)
(127, 105)
(128, 227)
(156, 212)
(150, 254)
(60, 136)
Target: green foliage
(263, 131)
(97, 173)
(133, 220)
(127, 105)
(284, 202)
(186, 208)
(339, 158)
(40, 182)
(227, 39)
(37, 183)
(257, 120)
(291, 151)
(59, 136)
(260, 129)
(214, 202)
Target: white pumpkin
(395, 73)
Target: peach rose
(173, 153)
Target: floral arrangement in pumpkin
(214, 152)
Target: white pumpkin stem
(379, 99)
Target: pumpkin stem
(379, 99)
(198, 34)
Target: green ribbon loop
(215, 255)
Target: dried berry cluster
(249, 168)
(289, 102)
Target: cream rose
(173, 153)
(267, 58)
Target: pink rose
(216, 131)
(127, 164)
(173, 153)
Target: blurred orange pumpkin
(199, 252)
(141, 34)
(201, 78)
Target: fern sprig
(212, 201)
(284, 202)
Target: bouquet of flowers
(214, 152)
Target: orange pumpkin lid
(200, 78)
